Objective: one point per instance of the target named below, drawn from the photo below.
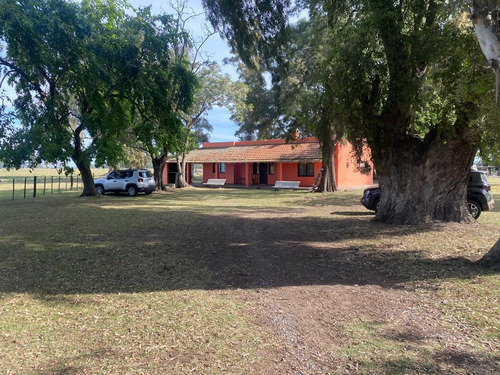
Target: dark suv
(479, 197)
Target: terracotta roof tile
(304, 152)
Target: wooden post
(34, 187)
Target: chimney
(296, 136)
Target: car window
(113, 175)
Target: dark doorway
(263, 174)
(172, 173)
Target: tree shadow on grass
(175, 250)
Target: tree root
(492, 258)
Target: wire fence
(35, 186)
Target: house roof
(273, 150)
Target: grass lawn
(235, 281)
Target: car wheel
(376, 205)
(474, 208)
(100, 189)
(149, 191)
(132, 191)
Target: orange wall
(291, 173)
(346, 169)
(228, 175)
(207, 172)
(346, 172)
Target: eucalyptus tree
(406, 78)
(164, 88)
(258, 113)
(214, 87)
(278, 108)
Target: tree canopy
(404, 77)
(83, 72)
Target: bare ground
(338, 297)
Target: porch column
(188, 173)
(279, 171)
(247, 174)
(216, 170)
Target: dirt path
(333, 305)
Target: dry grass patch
(234, 281)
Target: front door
(263, 174)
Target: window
(213, 168)
(306, 170)
(271, 168)
(222, 167)
(255, 168)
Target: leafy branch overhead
(402, 76)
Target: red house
(250, 163)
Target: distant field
(13, 182)
(41, 172)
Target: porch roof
(259, 152)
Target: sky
(219, 118)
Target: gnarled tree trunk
(83, 165)
(327, 182)
(158, 166)
(87, 179)
(423, 183)
(181, 168)
(328, 140)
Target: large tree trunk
(181, 168)
(181, 164)
(327, 140)
(87, 179)
(425, 184)
(327, 182)
(83, 164)
(158, 166)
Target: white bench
(215, 182)
(286, 185)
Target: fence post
(71, 182)
(25, 187)
(34, 187)
(13, 188)
(66, 183)
(44, 184)
(52, 185)
(59, 186)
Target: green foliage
(379, 69)
(85, 75)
